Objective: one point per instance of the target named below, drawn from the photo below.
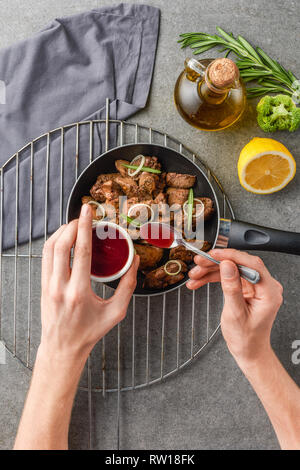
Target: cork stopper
(223, 72)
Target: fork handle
(246, 273)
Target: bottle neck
(219, 90)
(198, 72)
(209, 95)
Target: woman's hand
(249, 310)
(74, 319)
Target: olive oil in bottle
(209, 94)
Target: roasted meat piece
(177, 196)
(208, 207)
(150, 162)
(208, 210)
(111, 208)
(159, 279)
(122, 169)
(160, 199)
(111, 190)
(161, 209)
(178, 180)
(96, 190)
(160, 183)
(96, 193)
(181, 253)
(149, 255)
(143, 196)
(149, 185)
(147, 182)
(128, 185)
(140, 212)
(127, 203)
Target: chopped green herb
(144, 168)
(130, 220)
(190, 208)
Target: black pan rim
(216, 202)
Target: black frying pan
(219, 232)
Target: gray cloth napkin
(64, 74)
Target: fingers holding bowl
(62, 252)
(48, 255)
(81, 268)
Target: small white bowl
(130, 254)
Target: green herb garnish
(254, 64)
(190, 208)
(144, 168)
(130, 220)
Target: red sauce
(109, 255)
(157, 235)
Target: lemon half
(265, 166)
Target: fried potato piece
(149, 255)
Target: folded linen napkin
(64, 74)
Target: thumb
(232, 286)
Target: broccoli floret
(278, 113)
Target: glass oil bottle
(209, 94)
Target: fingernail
(216, 251)
(85, 210)
(228, 269)
(190, 284)
(195, 270)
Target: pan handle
(245, 236)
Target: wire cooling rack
(160, 335)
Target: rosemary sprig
(254, 64)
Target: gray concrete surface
(209, 405)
